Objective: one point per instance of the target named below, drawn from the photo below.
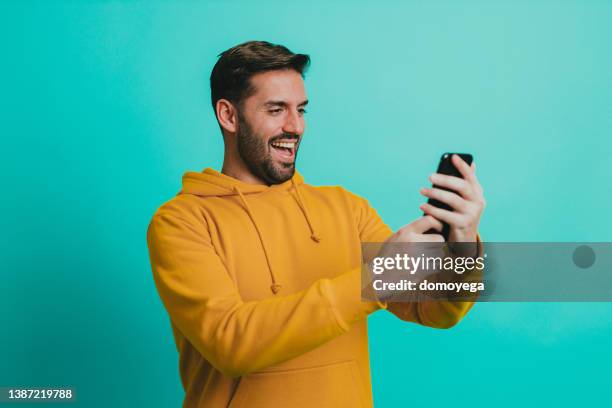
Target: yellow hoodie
(262, 286)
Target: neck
(235, 167)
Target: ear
(226, 115)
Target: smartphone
(447, 167)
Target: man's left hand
(467, 201)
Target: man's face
(271, 124)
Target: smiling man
(260, 273)
(266, 138)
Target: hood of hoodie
(211, 183)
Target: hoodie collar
(211, 183)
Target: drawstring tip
(275, 288)
(315, 238)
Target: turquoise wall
(105, 104)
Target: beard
(255, 152)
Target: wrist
(468, 246)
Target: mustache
(286, 136)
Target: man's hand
(415, 231)
(468, 203)
(398, 244)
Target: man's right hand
(400, 244)
(415, 231)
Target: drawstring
(313, 234)
(275, 287)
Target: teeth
(284, 144)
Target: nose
(294, 123)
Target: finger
(465, 170)
(473, 180)
(447, 197)
(478, 187)
(449, 217)
(430, 238)
(423, 224)
(476, 183)
(473, 167)
(456, 184)
(438, 226)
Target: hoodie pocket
(332, 385)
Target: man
(260, 273)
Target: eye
(303, 111)
(275, 111)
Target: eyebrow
(283, 103)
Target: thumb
(423, 224)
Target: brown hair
(230, 77)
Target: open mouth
(284, 150)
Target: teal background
(105, 104)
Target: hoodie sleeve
(437, 314)
(236, 336)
